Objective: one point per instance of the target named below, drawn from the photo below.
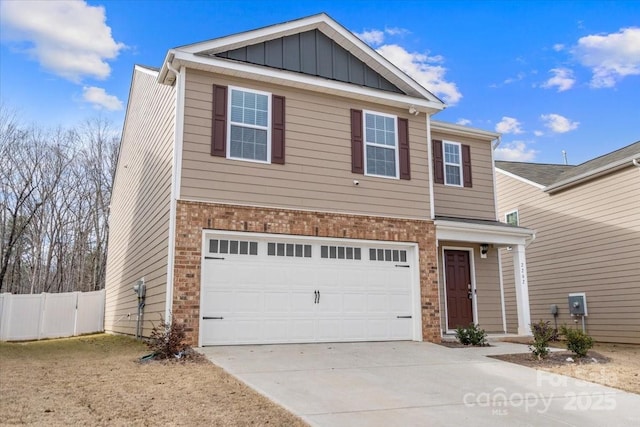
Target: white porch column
(522, 290)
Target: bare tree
(55, 188)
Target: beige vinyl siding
(140, 207)
(487, 279)
(587, 240)
(317, 170)
(474, 202)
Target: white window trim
(365, 143)
(445, 163)
(229, 123)
(512, 212)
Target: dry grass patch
(97, 380)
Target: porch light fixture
(484, 248)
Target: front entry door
(458, 283)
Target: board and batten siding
(487, 279)
(477, 201)
(587, 240)
(140, 207)
(317, 171)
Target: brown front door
(458, 283)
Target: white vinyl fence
(33, 317)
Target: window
(452, 164)
(249, 127)
(387, 255)
(511, 217)
(381, 144)
(340, 252)
(237, 247)
(288, 250)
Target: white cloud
(558, 47)
(538, 132)
(372, 37)
(463, 122)
(396, 31)
(611, 57)
(509, 125)
(69, 38)
(515, 151)
(562, 79)
(558, 124)
(422, 68)
(101, 99)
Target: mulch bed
(555, 358)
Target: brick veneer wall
(193, 217)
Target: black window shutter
(219, 127)
(403, 143)
(277, 129)
(357, 149)
(466, 165)
(438, 162)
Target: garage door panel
(354, 303)
(278, 298)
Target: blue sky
(549, 75)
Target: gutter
(591, 174)
(635, 163)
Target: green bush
(577, 341)
(542, 334)
(472, 335)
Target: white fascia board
(328, 26)
(611, 167)
(146, 70)
(519, 178)
(467, 232)
(288, 78)
(459, 130)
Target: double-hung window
(381, 144)
(452, 164)
(249, 125)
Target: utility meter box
(140, 288)
(578, 304)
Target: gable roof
(397, 88)
(554, 178)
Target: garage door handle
(211, 318)
(404, 317)
(213, 257)
(404, 266)
(316, 297)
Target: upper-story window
(511, 218)
(249, 125)
(381, 144)
(452, 164)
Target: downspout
(175, 189)
(432, 206)
(493, 175)
(636, 163)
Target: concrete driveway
(420, 384)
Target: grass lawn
(97, 380)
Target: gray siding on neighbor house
(140, 206)
(477, 201)
(487, 277)
(317, 171)
(587, 240)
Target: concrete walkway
(420, 384)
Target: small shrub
(167, 340)
(577, 341)
(471, 335)
(542, 334)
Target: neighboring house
(288, 184)
(587, 223)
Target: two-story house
(587, 222)
(288, 184)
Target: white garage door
(259, 289)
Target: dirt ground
(97, 380)
(613, 365)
